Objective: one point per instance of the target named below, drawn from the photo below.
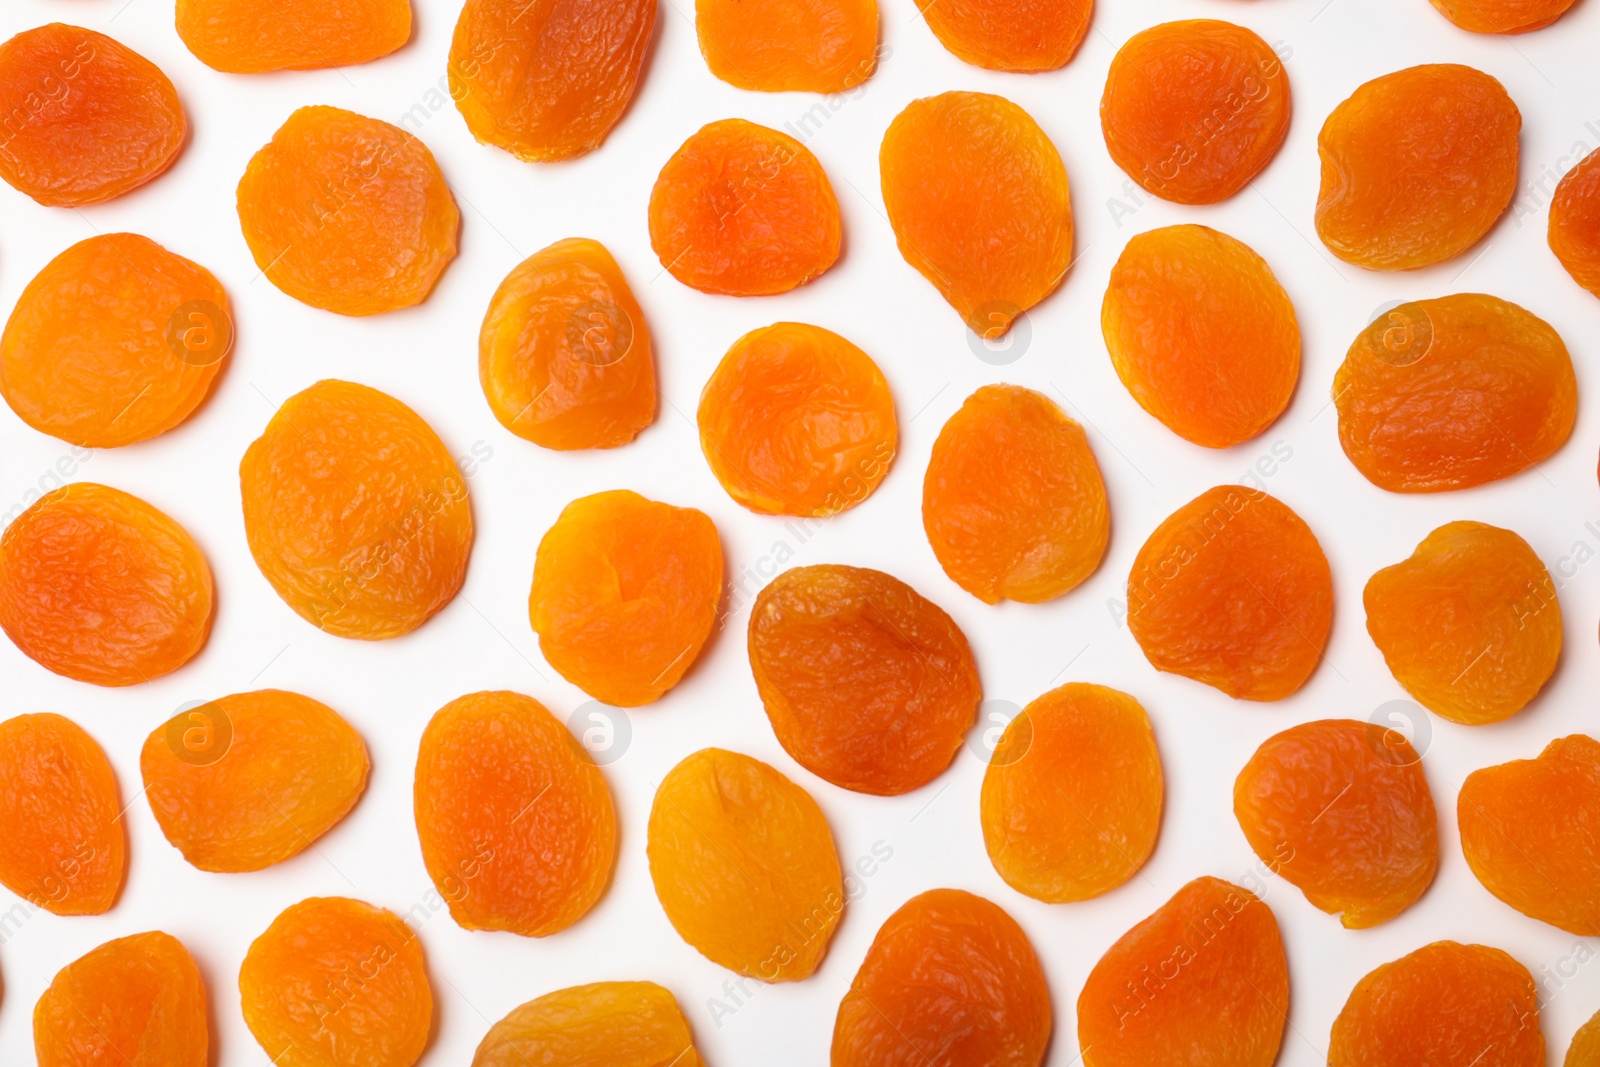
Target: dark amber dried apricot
(950, 981)
(135, 1002)
(517, 825)
(1502, 16)
(256, 36)
(97, 585)
(1201, 334)
(1233, 590)
(356, 512)
(1341, 809)
(606, 1024)
(1574, 229)
(817, 46)
(1585, 1048)
(1014, 35)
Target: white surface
(427, 357)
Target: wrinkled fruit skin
(1203, 980)
(516, 822)
(135, 1002)
(1527, 828)
(1012, 35)
(98, 586)
(625, 593)
(1013, 502)
(87, 118)
(607, 1024)
(1453, 392)
(1201, 334)
(1233, 590)
(743, 210)
(978, 198)
(547, 80)
(65, 848)
(814, 46)
(1416, 166)
(335, 982)
(348, 214)
(1585, 1048)
(1093, 748)
(356, 512)
(257, 36)
(1469, 624)
(564, 355)
(796, 420)
(249, 780)
(867, 684)
(1502, 16)
(950, 981)
(115, 341)
(1574, 230)
(1341, 809)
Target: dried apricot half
(137, 1002)
(517, 826)
(815, 46)
(1585, 1048)
(606, 1024)
(1013, 35)
(257, 36)
(1502, 16)
(1574, 228)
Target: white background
(427, 357)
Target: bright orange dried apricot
(97, 585)
(136, 1002)
(1585, 1048)
(348, 214)
(606, 1024)
(625, 593)
(1201, 334)
(356, 512)
(517, 825)
(1502, 16)
(1013, 35)
(1574, 229)
(257, 36)
(1416, 166)
(816, 46)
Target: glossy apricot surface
(136, 1002)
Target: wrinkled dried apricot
(950, 979)
(1013, 35)
(1233, 590)
(335, 982)
(1527, 828)
(796, 420)
(818, 46)
(356, 512)
(625, 593)
(83, 118)
(1453, 392)
(1416, 166)
(1341, 809)
(137, 1002)
(1201, 334)
(1585, 1048)
(248, 780)
(348, 214)
(978, 198)
(257, 36)
(97, 585)
(1071, 802)
(1202, 980)
(1502, 16)
(1574, 228)
(517, 826)
(606, 1024)
(867, 684)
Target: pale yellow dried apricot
(606, 1024)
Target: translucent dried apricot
(1416, 166)
(248, 780)
(1014, 35)
(817, 46)
(1574, 229)
(625, 593)
(1202, 980)
(517, 826)
(951, 979)
(356, 512)
(1585, 1048)
(1201, 334)
(606, 1024)
(348, 214)
(256, 36)
(83, 118)
(796, 420)
(1233, 590)
(1453, 392)
(137, 1002)
(867, 684)
(978, 198)
(97, 585)
(1502, 16)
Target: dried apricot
(517, 826)
(950, 981)
(257, 36)
(1201, 334)
(1574, 229)
(1453, 392)
(1233, 590)
(1416, 166)
(1527, 828)
(1341, 809)
(606, 1024)
(797, 421)
(819, 46)
(1585, 1048)
(97, 585)
(1502, 16)
(335, 982)
(625, 593)
(83, 118)
(137, 1002)
(1202, 980)
(867, 684)
(1013, 35)
(356, 512)
(978, 198)
(348, 214)
(248, 780)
